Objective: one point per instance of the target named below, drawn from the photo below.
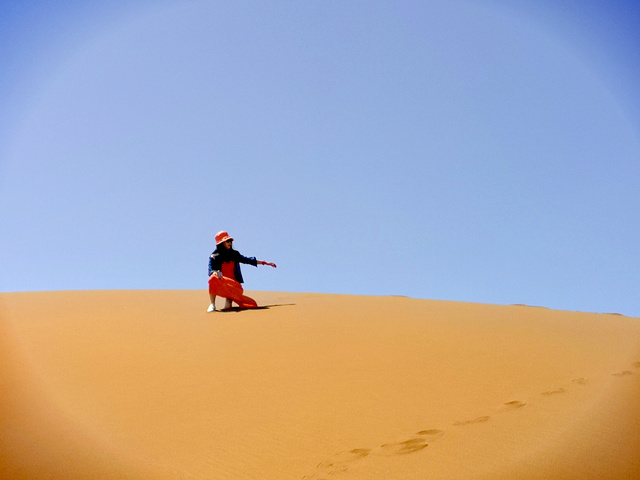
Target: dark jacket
(219, 256)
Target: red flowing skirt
(231, 289)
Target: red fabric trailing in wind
(228, 288)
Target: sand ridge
(146, 384)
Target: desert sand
(147, 385)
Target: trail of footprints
(420, 440)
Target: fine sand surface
(147, 385)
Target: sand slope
(146, 384)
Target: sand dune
(147, 385)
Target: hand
(268, 263)
(218, 274)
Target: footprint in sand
(554, 392)
(470, 422)
(623, 373)
(432, 433)
(343, 458)
(513, 405)
(412, 445)
(339, 463)
(580, 381)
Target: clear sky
(473, 150)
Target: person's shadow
(260, 307)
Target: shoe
(212, 308)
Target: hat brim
(224, 240)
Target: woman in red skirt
(225, 277)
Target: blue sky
(478, 150)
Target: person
(225, 262)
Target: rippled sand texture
(147, 384)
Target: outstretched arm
(253, 261)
